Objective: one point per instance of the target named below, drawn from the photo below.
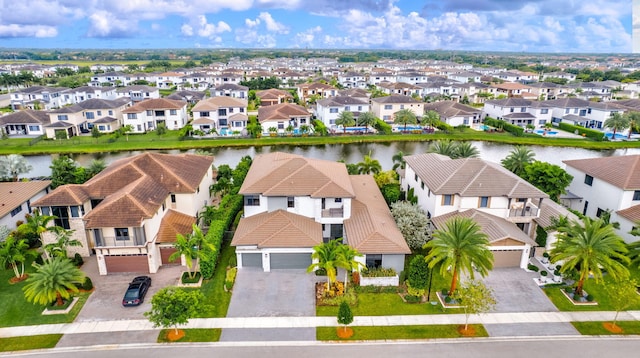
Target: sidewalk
(288, 322)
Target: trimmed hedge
(382, 127)
(443, 126)
(511, 128)
(319, 127)
(586, 132)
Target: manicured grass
(193, 335)
(386, 304)
(16, 311)
(29, 342)
(399, 332)
(217, 299)
(596, 290)
(596, 328)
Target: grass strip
(399, 332)
(597, 328)
(193, 335)
(29, 342)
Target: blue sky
(481, 25)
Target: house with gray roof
(454, 113)
(25, 122)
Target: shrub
(511, 128)
(541, 236)
(77, 260)
(378, 289)
(556, 273)
(545, 255)
(321, 272)
(382, 127)
(447, 299)
(533, 268)
(589, 298)
(412, 299)
(568, 289)
(444, 292)
(319, 127)
(413, 291)
(544, 273)
(418, 276)
(443, 126)
(86, 285)
(586, 132)
(379, 272)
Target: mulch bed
(613, 328)
(14, 280)
(469, 332)
(173, 336)
(344, 332)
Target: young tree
(412, 222)
(461, 246)
(369, 165)
(96, 166)
(52, 281)
(63, 241)
(418, 274)
(616, 122)
(12, 165)
(547, 177)
(326, 257)
(466, 150)
(172, 306)
(14, 253)
(192, 248)
(590, 247)
(634, 122)
(345, 119)
(431, 118)
(347, 260)
(518, 159)
(398, 161)
(405, 116)
(345, 316)
(444, 147)
(622, 295)
(475, 297)
(63, 171)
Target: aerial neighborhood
(234, 184)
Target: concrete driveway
(279, 293)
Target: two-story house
(83, 116)
(386, 107)
(307, 91)
(281, 116)
(16, 199)
(503, 204)
(607, 184)
(148, 114)
(130, 213)
(138, 93)
(220, 113)
(454, 113)
(328, 109)
(292, 204)
(230, 90)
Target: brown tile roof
(497, 229)
(550, 209)
(371, 229)
(155, 103)
(281, 111)
(469, 177)
(283, 174)
(13, 194)
(631, 213)
(26, 116)
(395, 99)
(278, 229)
(66, 195)
(621, 171)
(214, 103)
(273, 93)
(449, 109)
(174, 223)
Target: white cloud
(306, 38)
(105, 24)
(204, 29)
(273, 25)
(14, 30)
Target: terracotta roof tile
(283, 111)
(631, 213)
(13, 194)
(278, 229)
(621, 171)
(155, 103)
(174, 223)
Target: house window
(110, 112)
(173, 112)
(99, 113)
(131, 116)
(588, 179)
(34, 128)
(483, 202)
(122, 233)
(447, 199)
(241, 110)
(62, 117)
(388, 106)
(636, 195)
(291, 203)
(280, 125)
(159, 113)
(29, 206)
(252, 200)
(422, 185)
(62, 216)
(338, 200)
(173, 198)
(544, 111)
(599, 212)
(15, 211)
(415, 177)
(149, 113)
(204, 114)
(386, 118)
(373, 261)
(74, 211)
(333, 110)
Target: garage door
(165, 253)
(252, 260)
(290, 261)
(507, 258)
(131, 263)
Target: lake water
(350, 153)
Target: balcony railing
(333, 213)
(525, 211)
(120, 241)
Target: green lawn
(596, 328)
(193, 335)
(398, 332)
(29, 342)
(217, 299)
(16, 311)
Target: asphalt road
(488, 347)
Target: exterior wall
(599, 195)
(257, 209)
(380, 111)
(625, 227)
(10, 221)
(266, 252)
(77, 225)
(395, 262)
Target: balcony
(120, 241)
(528, 210)
(333, 213)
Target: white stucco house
(16, 199)
(148, 114)
(328, 109)
(220, 113)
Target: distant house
(25, 122)
(220, 113)
(328, 109)
(41, 98)
(130, 213)
(281, 116)
(273, 96)
(16, 199)
(292, 204)
(454, 113)
(306, 91)
(386, 107)
(138, 93)
(191, 97)
(231, 90)
(148, 114)
(81, 117)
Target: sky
(557, 26)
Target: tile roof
(155, 103)
(371, 227)
(273, 93)
(281, 111)
(278, 229)
(13, 194)
(395, 99)
(25, 116)
(341, 101)
(98, 103)
(550, 209)
(469, 177)
(631, 213)
(214, 103)
(174, 223)
(70, 194)
(620, 171)
(451, 109)
(283, 174)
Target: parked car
(136, 291)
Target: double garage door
(507, 258)
(279, 260)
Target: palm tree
(591, 247)
(369, 165)
(367, 119)
(444, 147)
(519, 157)
(63, 240)
(398, 160)
(191, 248)
(347, 260)
(634, 122)
(222, 186)
(616, 122)
(325, 256)
(466, 150)
(462, 247)
(13, 165)
(431, 118)
(14, 253)
(36, 224)
(345, 119)
(405, 116)
(52, 281)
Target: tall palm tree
(52, 281)
(347, 260)
(431, 118)
(191, 247)
(405, 116)
(462, 247)
(591, 247)
(444, 147)
(369, 165)
(325, 256)
(519, 157)
(398, 160)
(634, 122)
(616, 122)
(345, 119)
(466, 150)
(14, 253)
(367, 119)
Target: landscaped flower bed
(584, 300)
(379, 277)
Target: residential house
(547, 91)
(518, 111)
(358, 93)
(41, 98)
(511, 89)
(465, 77)
(607, 185)
(16, 199)
(25, 122)
(559, 74)
(328, 109)
(83, 116)
(283, 116)
(599, 112)
(386, 107)
(308, 91)
(196, 81)
(454, 113)
(503, 204)
(191, 97)
(570, 110)
(399, 88)
(231, 90)
(412, 77)
(112, 78)
(273, 96)
(292, 204)
(379, 75)
(220, 113)
(353, 79)
(148, 114)
(138, 93)
(167, 80)
(130, 213)
(88, 92)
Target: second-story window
(447, 199)
(122, 233)
(588, 179)
(291, 203)
(483, 202)
(252, 200)
(636, 195)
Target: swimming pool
(484, 127)
(618, 135)
(543, 132)
(401, 127)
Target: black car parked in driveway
(136, 291)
